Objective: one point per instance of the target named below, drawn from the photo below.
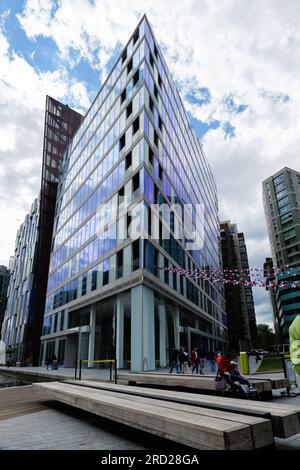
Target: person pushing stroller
(229, 370)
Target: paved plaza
(103, 374)
(63, 427)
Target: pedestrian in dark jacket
(183, 360)
(202, 357)
(48, 362)
(54, 363)
(195, 361)
(174, 360)
(257, 357)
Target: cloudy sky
(237, 66)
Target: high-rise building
(107, 293)
(61, 123)
(4, 281)
(27, 292)
(240, 310)
(281, 197)
(270, 277)
(247, 295)
(17, 314)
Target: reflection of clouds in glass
(2, 352)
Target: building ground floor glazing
(138, 326)
(288, 301)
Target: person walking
(183, 360)
(48, 362)
(174, 360)
(195, 361)
(54, 363)
(257, 357)
(202, 357)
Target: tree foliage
(265, 336)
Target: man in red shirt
(224, 363)
(227, 367)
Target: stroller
(233, 382)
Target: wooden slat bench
(196, 427)
(285, 418)
(275, 383)
(201, 382)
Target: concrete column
(56, 348)
(121, 229)
(128, 192)
(142, 329)
(89, 282)
(189, 340)
(43, 358)
(176, 329)
(170, 277)
(161, 271)
(91, 350)
(79, 287)
(127, 253)
(100, 275)
(120, 332)
(66, 319)
(79, 345)
(112, 268)
(162, 334)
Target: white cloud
(249, 53)
(22, 100)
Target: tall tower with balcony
(281, 197)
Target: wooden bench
(285, 418)
(201, 382)
(197, 427)
(275, 383)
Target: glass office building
(107, 293)
(281, 197)
(4, 282)
(17, 319)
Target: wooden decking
(17, 401)
(285, 419)
(197, 427)
(199, 382)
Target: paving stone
(53, 429)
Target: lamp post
(115, 338)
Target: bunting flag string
(235, 277)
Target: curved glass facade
(135, 146)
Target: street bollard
(244, 363)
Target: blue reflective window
(94, 278)
(121, 171)
(47, 326)
(156, 169)
(83, 286)
(147, 31)
(146, 124)
(106, 264)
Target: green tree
(265, 336)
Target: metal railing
(111, 362)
